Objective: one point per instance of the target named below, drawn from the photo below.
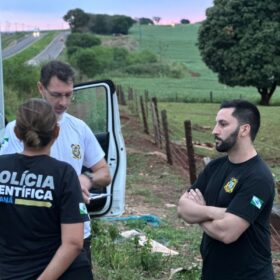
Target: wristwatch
(89, 175)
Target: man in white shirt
(76, 143)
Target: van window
(90, 105)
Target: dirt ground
(139, 143)
(156, 168)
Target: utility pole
(2, 112)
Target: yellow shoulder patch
(230, 185)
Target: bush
(120, 56)
(87, 62)
(71, 51)
(82, 40)
(154, 70)
(21, 77)
(178, 70)
(157, 70)
(117, 258)
(12, 102)
(96, 60)
(141, 57)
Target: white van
(97, 104)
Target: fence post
(146, 98)
(130, 94)
(135, 105)
(123, 101)
(190, 151)
(130, 100)
(144, 118)
(154, 121)
(166, 136)
(211, 97)
(118, 92)
(157, 121)
(121, 96)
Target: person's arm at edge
(193, 212)
(10, 143)
(227, 229)
(70, 248)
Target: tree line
(239, 40)
(80, 21)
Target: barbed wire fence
(166, 136)
(179, 150)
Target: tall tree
(145, 21)
(121, 24)
(77, 19)
(100, 23)
(240, 40)
(156, 19)
(184, 21)
(105, 24)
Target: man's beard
(226, 144)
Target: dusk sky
(22, 15)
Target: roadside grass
(9, 38)
(151, 184)
(32, 50)
(119, 258)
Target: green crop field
(178, 44)
(178, 96)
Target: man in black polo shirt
(232, 199)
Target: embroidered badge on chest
(230, 185)
(76, 153)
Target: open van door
(96, 103)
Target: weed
(119, 258)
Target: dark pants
(87, 248)
(83, 273)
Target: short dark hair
(246, 113)
(59, 69)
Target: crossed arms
(214, 221)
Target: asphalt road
(52, 51)
(19, 46)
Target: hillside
(178, 44)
